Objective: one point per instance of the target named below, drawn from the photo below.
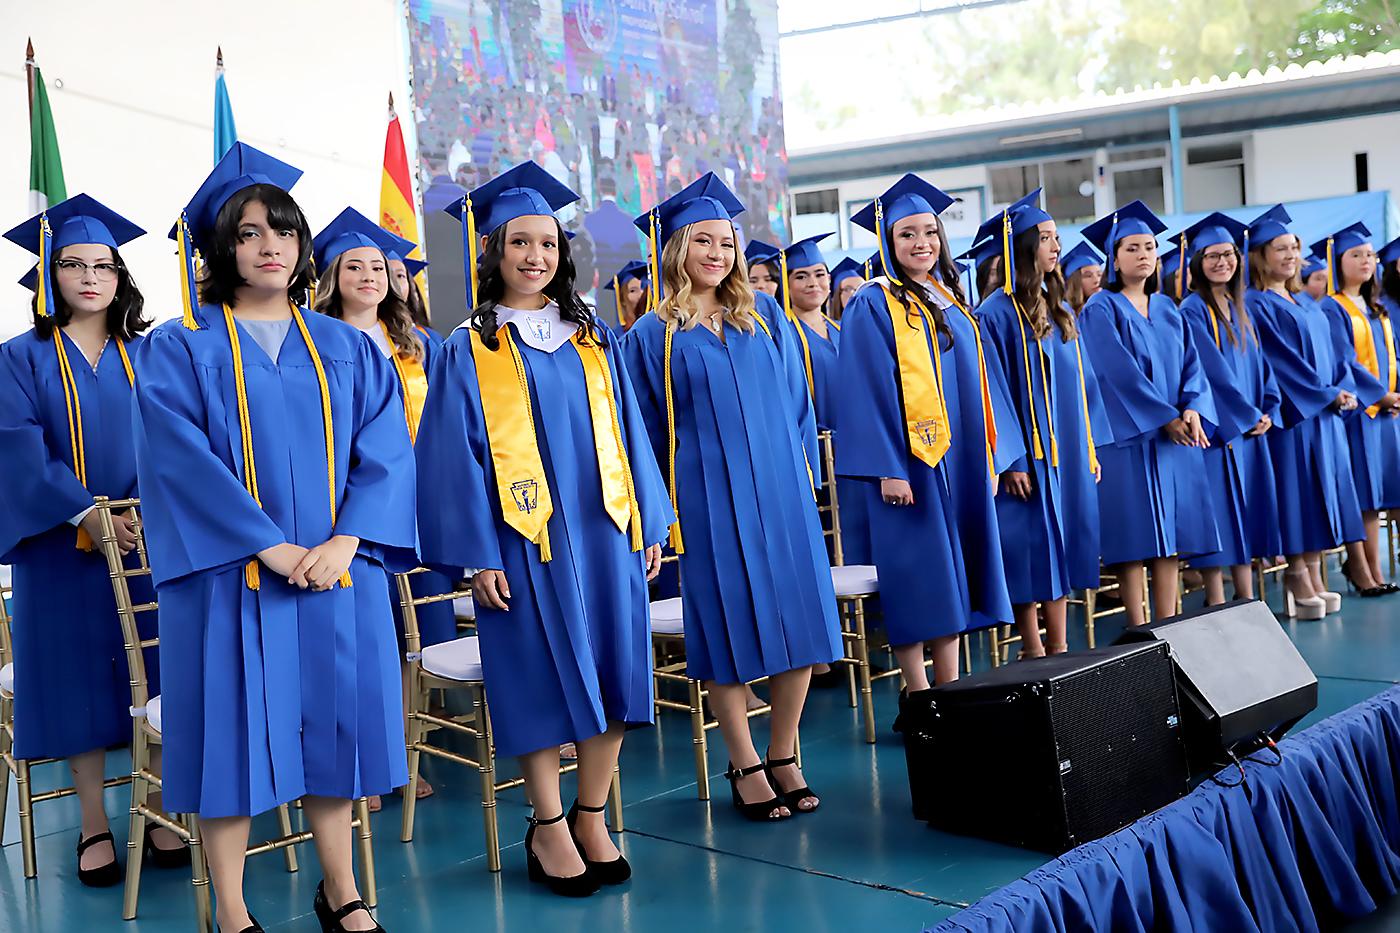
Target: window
(824, 201)
(1065, 182)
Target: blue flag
(225, 133)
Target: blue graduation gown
(852, 494)
(755, 580)
(72, 690)
(280, 692)
(939, 560)
(1153, 491)
(1317, 504)
(573, 653)
(1050, 542)
(1374, 443)
(1239, 467)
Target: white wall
(967, 181)
(1317, 160)
(309, 83)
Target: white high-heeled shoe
(1333, 601)
(1304, 608)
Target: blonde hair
(392, 310)
(734, 293)
(1258, 262)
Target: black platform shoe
(761, 812)
(254, 926)
(164, 858)
(103, 876)
(581, 885)
(330, 919)
(790, 798)
(605, 873)
(834, 676)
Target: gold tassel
(188, 299)
(252, 576)
(84, 540)
(880, 237)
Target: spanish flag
(396, 213)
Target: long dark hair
(945, 271)
(491, 288)
(1238, 326)
(417, 307)
(220, 278)
(989, 275)
(1390, 281)
(124, 319)
(1041, 295)
(392, 310)
(1369, 291)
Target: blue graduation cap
(80, 219)
(909, 196)
(352, 230)
(241, 167)
(1130, 220)
(1269, 226)
(1082, 255)
(844, 270)
(759, 251)
(634, 269)
(874, 266)
(1172, 268)
(523, 191)
(804, 253)
(706, 198)
(1311, 264)
(1390, 252)
(1330, 248)
(997, 232)
(414, 266)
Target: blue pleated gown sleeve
(71, 684)
(573, 653)
(939, 560)
(1149, 373)
(756, 585)
(277, 692)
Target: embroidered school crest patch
(539, 327)
(928, 431)
(526, 494)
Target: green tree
(1351, 27)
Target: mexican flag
(45, 166)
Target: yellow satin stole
(920, 380)
(521, 485)
(412, 379)
(1365, 342)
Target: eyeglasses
(1217, 257)
(105, 271)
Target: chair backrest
(831, 509)
(409, 603)
(6, 648)
(120, 573)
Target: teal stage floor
(860, 863)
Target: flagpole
(29, 75)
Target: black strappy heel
(331, 919)
(581, 885)
(103, 876)
(790, 798)
(761, 812)
(606, 873)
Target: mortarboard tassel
(189, 299)
(653, 264)
(1008, 262)
(617, 298)
(1111, 269)
(880, 236)
(1332, 288)
(1181, 269)
(470, 247)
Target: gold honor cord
(1084, 398)
(1023, 323)
(677, 542)
(251, 570)
(614, 469)
(1364, 340)
(410, 412)
(989, 421)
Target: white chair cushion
(5, 577)
(7, 679)
(855, 580)
(459, 659)
(153, 712)
(666, 616)
(463, 608)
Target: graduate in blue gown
(1365, 337)
(1047, 504)
(1153, 501)
(1317, 505)
(1082, 268)
(403, 279)
(542, 481)
(1313, 275)
(721, 385)
(277, 486)
(761, 260)
(1239, 468)
(629, 288)
(65, 437)
(919, 424)
(1175, 276)
(847, 276)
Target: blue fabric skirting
(1303, 846)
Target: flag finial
(29, 51)
(219, 57)
(391, 100)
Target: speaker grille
(1115, 726)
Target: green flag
(45, 166)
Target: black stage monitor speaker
(1049, 753)
(1238, 675)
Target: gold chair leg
(284, 824)
(867, 697)
(697, 739)
(418, 701)
(844, 610)
(486, 765)
(199, 870)
(26, 817)
(136, 830)
(6, 747)
(615, 799)
(364, 838)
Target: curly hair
(393, 311)
(1040, 294)
(734, 293)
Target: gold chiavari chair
(146, 736)
(1262, 574)
(452, 666)
(669, 667)
(19, 767)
